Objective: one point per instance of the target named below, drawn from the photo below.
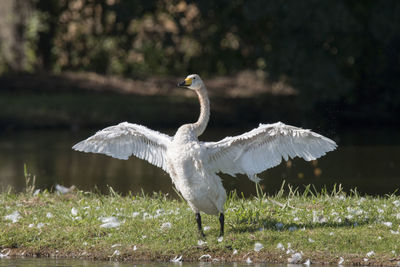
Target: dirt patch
(243, 84)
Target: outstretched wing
(126, 139)
(263, 148)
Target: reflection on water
(58, 263)
(45, 262)
(368, 161)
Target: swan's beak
(186, 82)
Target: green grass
(322, 226)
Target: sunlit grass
(321, 226)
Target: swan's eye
(194, 78)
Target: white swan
(193, 165)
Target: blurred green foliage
(342, 53)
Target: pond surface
(29, 262)
(368, 160)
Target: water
(369, 161)
(46, 262)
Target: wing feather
(263, 148)
(126, 139)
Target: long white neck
(201, 123)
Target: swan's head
(192, 81)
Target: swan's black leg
(198, 220)
(221, 222)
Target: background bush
(343, 54)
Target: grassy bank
(89, 100)
(320, 227)
(85, 110)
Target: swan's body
(193, 165)
(201, 188)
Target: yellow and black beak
(187, 82)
